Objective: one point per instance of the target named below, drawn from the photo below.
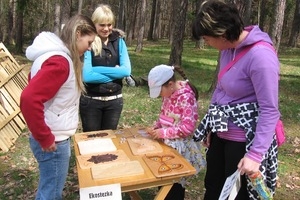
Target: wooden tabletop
(135, 182)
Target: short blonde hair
(102, 15)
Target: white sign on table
(104, 192)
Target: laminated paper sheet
(96, 146)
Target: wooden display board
(96, 159)
(141, 146)
(165, 164)
(94, 135)
(117, 170)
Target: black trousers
(222, 158)
(176, 192)
(99, 115)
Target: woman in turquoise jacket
(104, 68)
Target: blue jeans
(53, 169)
(100, 115)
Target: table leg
(162, 193)
(134, 195)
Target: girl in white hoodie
(50, 101)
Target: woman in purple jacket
(240, 123)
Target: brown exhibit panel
(165, 164)
(138, 174)
(96, 159)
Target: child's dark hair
(178, 69)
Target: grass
(18, 168)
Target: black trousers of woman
(176, 192)
(222, 158)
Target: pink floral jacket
(179, 114)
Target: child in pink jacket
(178, 118)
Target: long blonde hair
(85, 26)
(101, 15)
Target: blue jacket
(104, 74)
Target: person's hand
(248, 166)
(153, 132)
(206, 142)
(51, 148)
(149, 129)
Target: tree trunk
(79, 6)
(179, 17)
(10, 28)
(19, 32)
(137, 19)
(247, 12)
(157, 22)
(6, 21)
(295, 27)
(140, 36)
(276, 29)
(152, 18)
(131, 20)
(57, 17)
(263, 15)
(65, 12)
(199, 43)
(173, 18)
(121, 15)
(21, 4)
(244, 7)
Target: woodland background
(158, 31)
(22, 20)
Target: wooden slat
(1, 100)
(7, 75)
(12, 81)
(5, 138)
(10, 104)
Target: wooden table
(138, 182)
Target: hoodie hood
(185, 90)
(255, 35)
(45, 42)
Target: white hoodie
(61, 112)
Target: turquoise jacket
(104, 74)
